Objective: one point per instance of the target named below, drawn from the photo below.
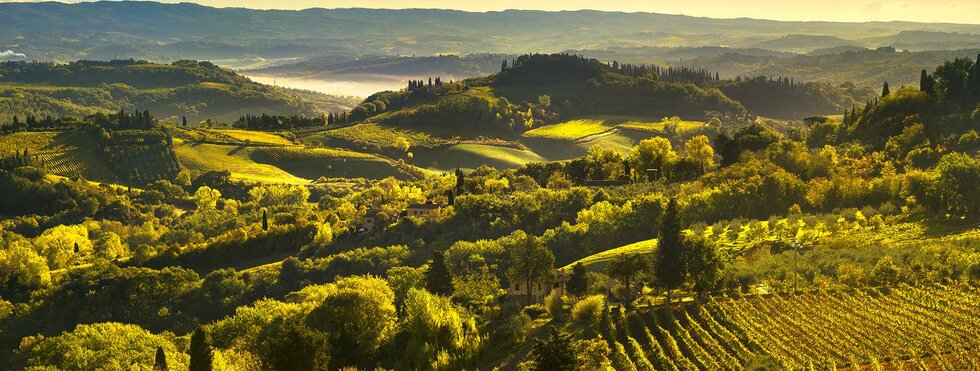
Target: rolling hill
(167, 32)
(197, 90)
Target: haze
(947, 11)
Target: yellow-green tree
(699, 150)
(654, 154)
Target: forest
(746, 243)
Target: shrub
(589, 310)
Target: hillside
(166, 32)
(197, 90)
(446, 66)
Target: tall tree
(555, 353)
(578, 283)
(884, 90)
(265, 220)
(160, 363)
(202, 356)
(460, 181)
(927, 84)
(531, 262)
(668, 263)
(438, 280)
(183, 121)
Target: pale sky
(953, 11)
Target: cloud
(10, 54)
(873, 7)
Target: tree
(578, 283)
(959, 175)
(265, 220)
(433, 328)
(668, 259)
(699, 150)
(438, 280)
(653, 154)
(627, 269)
(884, 90)
(292, 345)
(927, 84)
(556, 353)
(951, 78)
(360, 316)
(160, 363)
(183, 121)
(202, 356)
(460, 181)
(531, 262)
(702, 263)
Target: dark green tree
(183, 121)
(578, 283)
(265, 220)
(668, 258)
(160, 363)
(460, 181)
(555, 353)
(951, 78)
(884, 90)
(438, 280)
(202, 356)
(292, 345)
(927, 84)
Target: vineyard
(72, 154)
(141, 157)
(900, 328)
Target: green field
(658, 126)
(574, 129)
(598, 261)
(371, 135)
(471, 156)
(294, 165)
(254, 136)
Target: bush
(589, 310)
(554, 303)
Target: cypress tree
(202, 355)
(160, 363)
(183, 121)
(460, 181)
(265, 220)
(884, 90)
(451, 197)
(577, 283)
(668, 263)
(437, 277)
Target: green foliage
(438, 335)
(359, 316)
(101, 346)
(958, 176)
(289, 344)
(438, 279)
(628, 269)
(555, 353)
(531, 262)
(589, 310)
(202, 355)
(667, 266)
(577, 284)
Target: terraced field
(899, 328)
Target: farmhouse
(425, 211)
(541, 289)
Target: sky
(953, 11)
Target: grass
(658, 126)
(378, 135)
(471, 156)
(254, 136)
(572, 129)
(599, 261)
(292, 165)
